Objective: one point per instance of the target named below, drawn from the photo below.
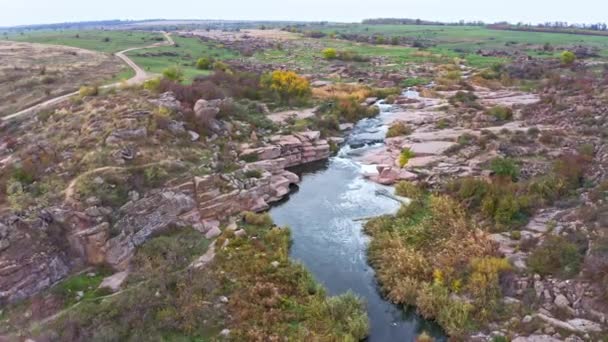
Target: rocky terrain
(138, 212)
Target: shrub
(330, 53)
(556, 256)
(257, 219)
(88, 91)
(204, 63)
(405, 156)
(221, 66)
(567, 57)
(287, 85)
(501, 113)
(505, 167)
(173, 73)
(466, 99)
(152, 84)
(398, 129)
(409, 190)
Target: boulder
(114, 282)
(141, 220)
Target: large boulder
(141, 220)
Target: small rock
(98, 180)
(224, 299)
(213, 233)
(194, 136)
(225, 333)
(275, 264)
(240, 233)
(527, 319)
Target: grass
(448, 42)
(251, 288)
(184, 55)
(91, 40)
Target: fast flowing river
(328, 238)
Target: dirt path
(140, 77)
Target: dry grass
(32, 73)
(342, 91)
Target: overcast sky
(22, 12)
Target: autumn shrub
(426, 255)
(88, 91)
(398, 129)
(349, 109)
(556, 256)
(287, 86)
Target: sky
(25, 12)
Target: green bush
(505, 167)
(405, 156)
(556, 256)
(257, 219)
(204, 63)
(409, 190)
(567, 57)
(152, 84)
(330, 53)
(174, 73)
(501, 113)
(414, 81)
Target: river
(323, 214)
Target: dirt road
(140, 77)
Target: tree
(287, 85)
(568, 57)
(330, 53)
(173, 73)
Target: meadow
(184, 55)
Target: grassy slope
(91, 40)
(188, 51)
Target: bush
(505, 167)
(204, 63)
(152, 84)
(330, 53)
(173, 73)
(398, 129)
(257, 219)
(287, 86)
(567, 57)
(556, 256)
(405, 156)
(88, 91)
(409, 190)
(501, 113)
(466, 99)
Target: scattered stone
(115, 281)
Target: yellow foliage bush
(287, 85)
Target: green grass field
(465, 41)
(96, 40)
(184, 55)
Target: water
(328, 239)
